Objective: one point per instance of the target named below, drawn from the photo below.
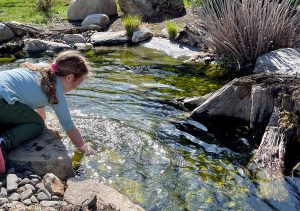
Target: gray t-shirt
(23, 85)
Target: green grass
(187, 4)
(131, 23)
(23, 11)
(172, 29)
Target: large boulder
(282, 61)
(152, 8)
(5, 33)
(79, 192)
(41, 46)
(42, 155)
(80, 9)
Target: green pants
(20, 123)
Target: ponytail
(68, 62)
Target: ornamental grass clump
(172, 29)
(44, 5)
(246, 29)
(131, 23)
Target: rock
(107, 38)
(194, 102)
(26, 194)
(79, 9)
(152, 8)
(40, 46)
(48, 203)
(141, 35)
(165, 33)
(3, 201)
(27, 173)
(12, 183)
(27, 202)
(96, 19)
(90, 187)
(5, 33)
(14, 197)
(29, 186)
(21, 189)
(35, 181)
(57, 198)
(34, 199)
(53, 184)
(172, 48)
(74, 38)
(16, 205)
(45, 191)
(39, 186)
(42, 155)
(42, 196)
(282, 61)
(83, 46)
(35, 176)
(3, 192)
(24, 182)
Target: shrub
(131, 23)
(245, 29)
(44, 5)
(172, 29)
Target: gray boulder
(80, 9)
(152, 8)
(83, 46)
(141, 35)
(40, 46)
(282, 61)
(107, 38)
(5, 33)
(42, 155)
(91, 189)
(96, 19)
(74, 38)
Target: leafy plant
(172, 29)
(246, 29)
(131, 23)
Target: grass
(24, 12)
(172, 29)
(131, 23)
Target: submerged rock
(42, 155)
(92, 193)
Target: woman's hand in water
(87, 149)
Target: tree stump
(271, 103)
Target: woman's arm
(41, 112)
(78, 141)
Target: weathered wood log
(266, 101)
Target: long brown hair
(68, 62)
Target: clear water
(148, 148)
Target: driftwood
(271, 103)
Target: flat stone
(34, 176)
(24, 182)
(14, 197)
(42, 155)
(109, 38)
(12, 183)
(29, 186)
(26, 194)
(79, 191)
(74, 38)
(40, 46)
(83, 46)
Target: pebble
(27, 202)
(21, 189)
(29, 186)
(34, 199)
(39, 186)
(14, 197)
(57, 198)
(27, 173)
(42, 196)
(43, 190)
(3, 192)
(24, 182)
(26, 194)
(34, 176)
(49, 203)
(3, 201)
(35, 180)
(12, 183)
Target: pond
(148, 148)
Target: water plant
(131, 23)
(247, 29)
(172, 29)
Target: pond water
(148, 148)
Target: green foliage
(44, 5)
(172, 29)
(131, 23)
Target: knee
(39, 128)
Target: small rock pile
(30, 189)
